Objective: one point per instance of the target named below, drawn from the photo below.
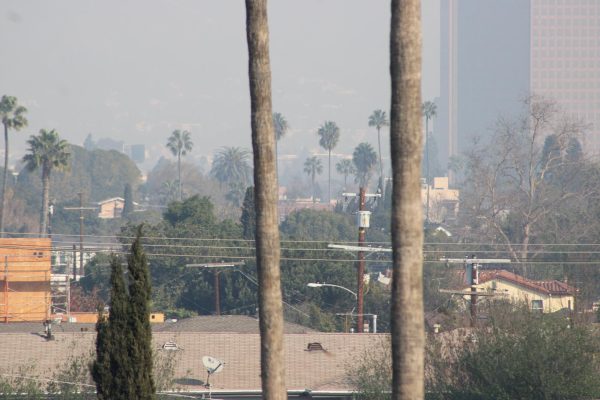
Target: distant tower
(494, 53)
(565, 59)
(138, 153)
(484, 67)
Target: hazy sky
(136, 70)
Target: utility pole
(5, 289)
(74, 261)
(474, 281)
(217, 284)
(471, 266)
(81, 209)
(363, 224)
(361, 261)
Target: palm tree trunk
(329, 173)
(314, 189)
(265, 195)
(45, 201)
(2, 206)
(179, 174)
(427, 166)
(407, 215)
(380, 162)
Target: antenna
(212, 366)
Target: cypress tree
(128, 202)
(121, 338)
(123, 366)
(139, 321)
(100, 368)
(112, 369)
(248, 218)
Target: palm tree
(407, 216)
(13, 117)
(169, 190)
(281, 127)
(48, 152)
(345, 167)
(313, 167)
(364, 158)
(180, 143)
(231, 166)
(329, 136)
(379, 119)
(429, 110)
(267, 221)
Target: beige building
(443, 201)
(544, 296)
(111, 208)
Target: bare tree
(522, 176)
(265, 195)
(408, 336)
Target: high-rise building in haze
(495, 53)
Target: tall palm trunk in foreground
(265, 195)
(407, 222)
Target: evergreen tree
(123, 366)
(128, 197)
(112, 369)
(248, 218)
(139, 321)
(100, 368)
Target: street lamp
(316, 285)
(15, 175)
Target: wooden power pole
(363, 224)
(362, 230)
(81, 209)
(472, 277)
(216, 266)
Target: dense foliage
(517, 355)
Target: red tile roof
(551, 287)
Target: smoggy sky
(135, 70)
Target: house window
(537, 305)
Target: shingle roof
(208, 323)
(223, 323)
(320, 370)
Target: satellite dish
(212, 366)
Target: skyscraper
(565, 59)
(495, 53)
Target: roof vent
(171, 346)
(315, 346)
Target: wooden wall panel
(25, 270)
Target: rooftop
(308, 366)
(206, 324)
(551, 287)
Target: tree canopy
(364, 159)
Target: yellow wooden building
(544, 296)
(25, 271)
